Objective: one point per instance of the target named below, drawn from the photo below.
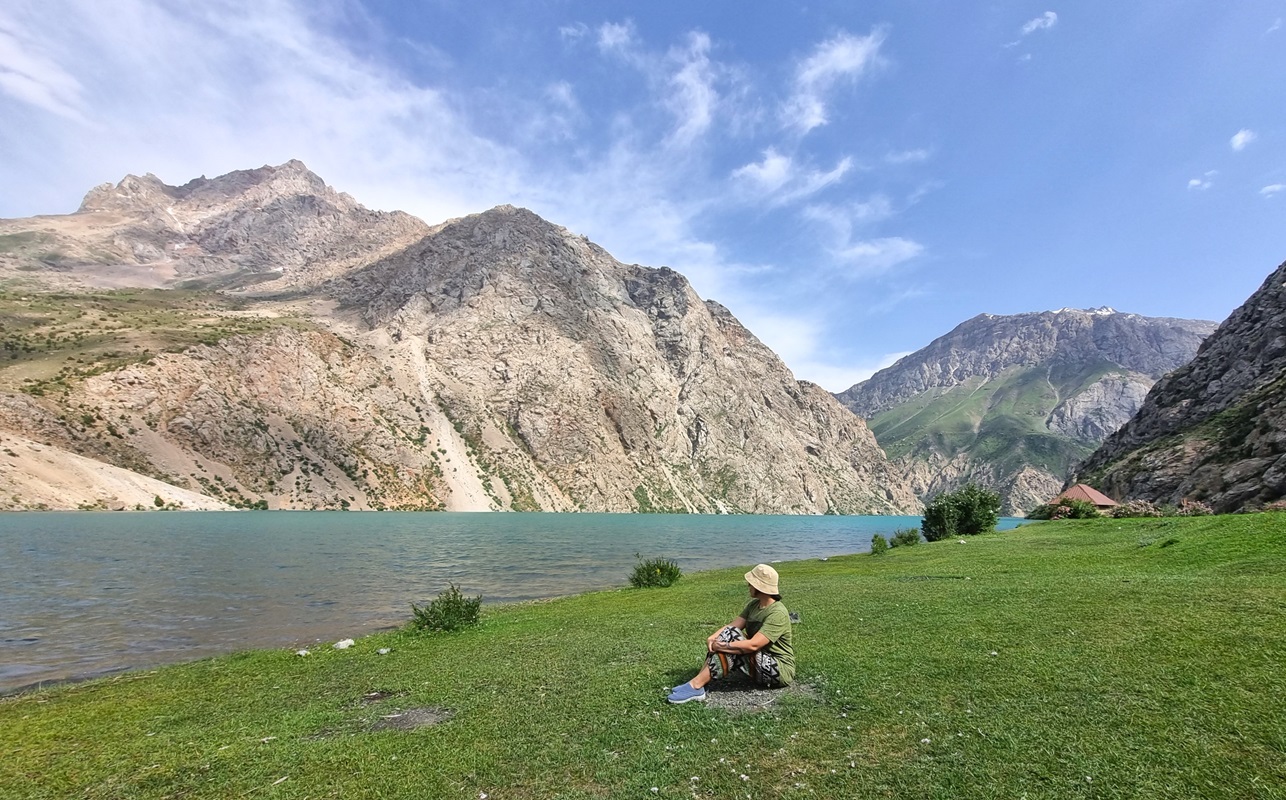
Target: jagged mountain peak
(135, 194)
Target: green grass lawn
(1097, 659)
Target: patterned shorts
(760, 666)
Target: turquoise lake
(86, 594)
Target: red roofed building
(1089, 494)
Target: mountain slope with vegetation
(1015, 402)
(1214, 430)
(492, 362)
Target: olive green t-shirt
(773, 622)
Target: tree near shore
(969, 510)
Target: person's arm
(752, 645)
(739, 623)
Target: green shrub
(879, 545)
(969, 510)
(451, 611)
(660, 572)
(905, 536)
(1065, 509)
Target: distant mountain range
(1213, 430)
(368, 360)
(1015, 402)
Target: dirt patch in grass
(413, 718)
(744, 697)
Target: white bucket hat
(763, 578)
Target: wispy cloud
(1204, 182)
(842, 58)
(1242, 138)
(615, 37)
(855, 254)
(1042, 23)
(915, 156)
(1272, 189)
(1276, 26)
(32, 76)
(778, 177)
(693, 97)
(574, 32)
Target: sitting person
(763, 652)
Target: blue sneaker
(685, 692)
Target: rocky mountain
(1215, 429)
(492, 362)
(1014, 402)
(281, 224)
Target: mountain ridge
(1015, 401)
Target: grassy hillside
(1108, 658)
(49, 340)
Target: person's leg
(717, 666)
(764, 670)
(720, 665)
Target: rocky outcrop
(1014, 402)
(1215, 429)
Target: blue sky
(851, 179)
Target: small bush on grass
(969, 510)
(905, 536)
(660, 572)
(1193, 508)
(450, 612)
(1136, 508)
(879, 545)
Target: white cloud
(778, 177)
(574, 32)
(1204, 182)
(915, 156)
(857, 256)
(1044, 22)
(615, 37)
(838, 377)
(1242, 138)
(876, 256)
(1272, 189)
(692, 97)
(32, 77)
(842, 58)
(1276, 26)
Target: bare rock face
(1014, 402)
(1215, 429)
(280, 224)
(615, 381)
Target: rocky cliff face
(1215, 429)
(494, 362)
(617, 382)
(281, 224)
(1014, 402)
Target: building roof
(1082, 492)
